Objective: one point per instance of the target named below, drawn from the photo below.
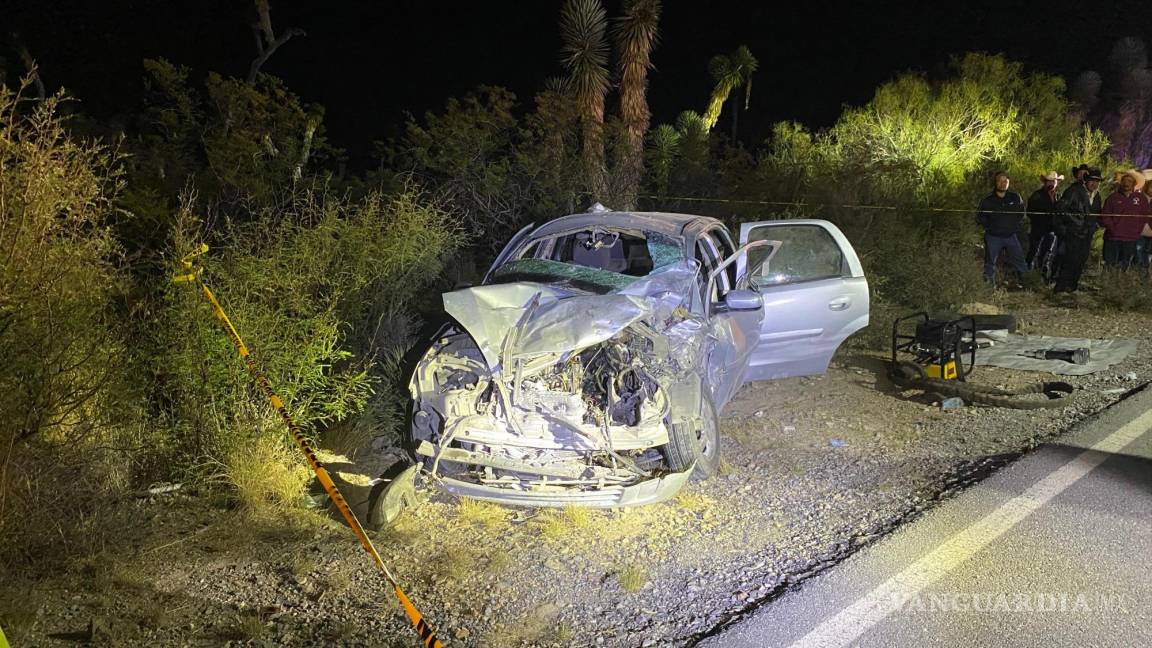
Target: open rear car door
(815, 295)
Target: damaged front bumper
(651, 491)
(547, 399)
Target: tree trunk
(635, 37)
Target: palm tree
(730, 72)
(585, 54)
(636, 34)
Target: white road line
(853, 621)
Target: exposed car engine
(594, 418)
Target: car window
(604, 250)
(807, 253)
(725, 249)
(708, 258)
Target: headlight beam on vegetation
(192, 274)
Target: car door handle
(840, 303)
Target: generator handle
(961, 371)
(923, 315)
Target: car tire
(392, 495)
(995, 322)
(699, 443)
(1005, 321)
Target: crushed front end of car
(547, 393)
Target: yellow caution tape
(427, 634)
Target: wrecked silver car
(591, 365)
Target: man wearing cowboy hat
(1124, 216)
(1002, 217)
(1041, 204)
(1075, 223)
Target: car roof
(662, 222)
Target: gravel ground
(814, 468)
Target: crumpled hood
(556, 322)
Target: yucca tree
(635, 34)
(583, 25)
(730, 72)
(556, 116)
(663, 146)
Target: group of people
(1062, 225)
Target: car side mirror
(738, 254)
(740, 300)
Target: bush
(319, 292)
(1126, 290)
(67, 409)
(267, 475)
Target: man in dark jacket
(1075, 223)
(1041, 204)
(1002, 217)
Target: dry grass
(17, 615)
(1126, 290)
(338, 581)
(267, 477)
(485, 515)
(633, 578)
(407, 530)
(725, 468)
(301, 563)
(103, 574)
(559, 524)
(498, 562)
(245, 626)
(453, 564)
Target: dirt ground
(813, 469)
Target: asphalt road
(1054, 550)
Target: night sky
(369, 62)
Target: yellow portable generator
(945, 348)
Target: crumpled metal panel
(668, 288)
(578, 323)
(490, 313)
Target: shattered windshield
(597, 260)
(592, 280)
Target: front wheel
(698, 441)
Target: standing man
(1041, 204)
(1002, 217)
(1075, 223)
(1079, 171)
(1124, 216)
(1144, 251)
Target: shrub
(1126, 290)
(67, 412)
(319, 293)
(267, 474)
(633, 578)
